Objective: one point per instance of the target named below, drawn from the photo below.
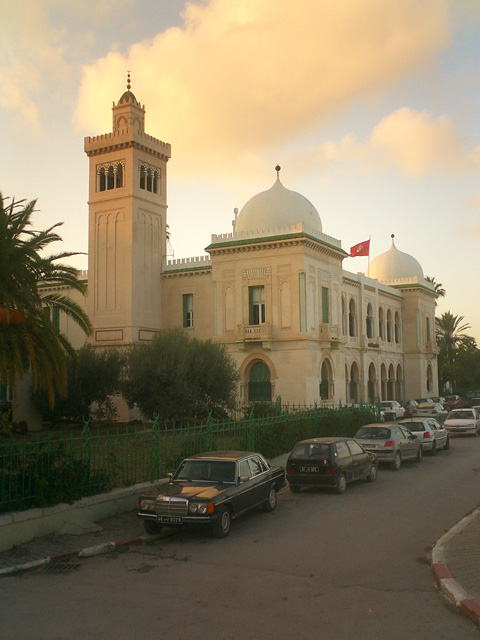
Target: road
(320, 566)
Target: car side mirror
(243, 478)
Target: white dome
(394, 265)
(277, 207)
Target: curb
(446, 581)
(88, 552)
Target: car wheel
(294, 488)
(152, 527)
(271, 502)
(419, 455)
(433, 451)
(221, 526)
(372, 476)
(397, 462)
(341, 483)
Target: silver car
(392, 443)
(430, 432)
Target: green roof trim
(259, 240)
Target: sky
(371, 108)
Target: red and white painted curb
(88, 552)
(448, 584)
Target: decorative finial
(392, 236)
(277, 169)
(128, 80)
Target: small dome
(277, 207)
(394, 265)
(128, 96)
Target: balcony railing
(254, 332)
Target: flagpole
(368, 263)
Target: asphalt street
(320, 566)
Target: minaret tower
(127, 227)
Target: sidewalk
(456, 564)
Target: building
(273, 291)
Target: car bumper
(471, 430)
(387, 455)
(311, 480)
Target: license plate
(308, 469)
(169, 519)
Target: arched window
(326, 381)
(110, 178)
(354, 383)
(119, 176)
(259, 385)
(352, 318)
(344, 318)
(390, 383)
(381, 324)
(397, 327)
(383, 382)
(399, 383)
(389, 326)
(370, 322)
(372, 383)
(429, 378)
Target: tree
(450, 339)
(179, 377)
(93, 378)
(29, 341)
(440, 291)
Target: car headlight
(199, 508)
(147, 505)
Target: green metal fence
(53, 470)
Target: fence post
(209, 433)
(155, 451)
(86, 453)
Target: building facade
(274, 291)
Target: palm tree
(450, 337)
(439, 290)
(29, 284)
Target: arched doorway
(383, 382)
(399, 384)
(354, 383)
(259, 385)
(326, 381)
(372, 383)
(391, 383)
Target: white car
(392, 409)
(463, 421)
(430, 410)
(430, 432)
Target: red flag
(360, 249)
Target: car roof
(222, 455)
(324, 440)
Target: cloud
(251, 75)
(415, 143)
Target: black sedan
(329, 462)
(212, 489)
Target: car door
(410, 443)
(343, 460)
(245, 490)
(361, 460)
(439, 432)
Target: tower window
(187, 300)
(110, 176)
(256, 303)
(148, 178)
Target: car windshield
(217, 471)
(461, 415)
(315, 450)
(373, 433)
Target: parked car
(454, 401)
(212, 489)
(430, 432)
(430, 410)
(391, 443)
(409, 406)
(471, 399)
(329, 462)
(392, 409)
(465, 420)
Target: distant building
(273, 291)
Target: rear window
(461, 415)
(373, 433)
(414, 426)
(312, 451)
